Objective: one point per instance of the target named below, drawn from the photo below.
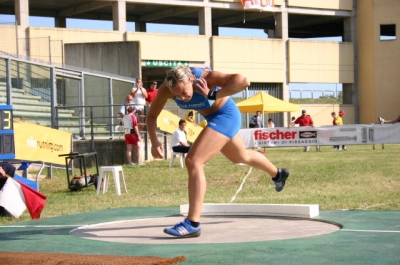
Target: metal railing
(46, 50)
(97, 122)
(297, 93)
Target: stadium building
(351, 43)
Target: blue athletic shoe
(183, 229)
(281, 179)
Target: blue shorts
(227, 120)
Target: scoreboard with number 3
(7, 147)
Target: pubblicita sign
(262, 5)
(157, 63)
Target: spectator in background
(132, 136)
(139, 95)
(151, 93)
(305, 120)
(256, 121)
(334, 117)
(292, 122)
(124, 108)
(339, 121)
(382, 120)
(270, 123)
(179, 142)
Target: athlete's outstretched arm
(163, 94)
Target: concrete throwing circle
(218, 229)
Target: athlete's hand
(157, 150)
(201, 84)
(2, 172)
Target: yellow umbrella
(266, 104)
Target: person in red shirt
(132, 136)
(304, 120)
(151, 92)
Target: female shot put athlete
(207, 92)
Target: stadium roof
(303, 23)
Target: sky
(154, 28)
(318, 89)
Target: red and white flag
(15, 197)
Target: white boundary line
(369, 231)
(82, 225)
(38, 226)
(241, 185)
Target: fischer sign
(275, 135)
(266, 5)
(325, 135)
(283, 137)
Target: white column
(22, 18)
(205, 28)
(22, 13)
(282, 32)
(119, 15)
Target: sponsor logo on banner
(35, 142)
(268, 137)
(274, 135)
(308, 134)
(324, 135)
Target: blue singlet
(227, 120)
(198, 101)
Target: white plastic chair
(181, 158)
(104, 174)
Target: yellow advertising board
(38, 143)
(168, 122)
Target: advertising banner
(38, 143)
(262, 5)
(169, 122)
(325, 135)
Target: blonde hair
(176, 74)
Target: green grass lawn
(358, 179)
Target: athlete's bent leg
(235, 151)
(208, 144)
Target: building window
(388, 32)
